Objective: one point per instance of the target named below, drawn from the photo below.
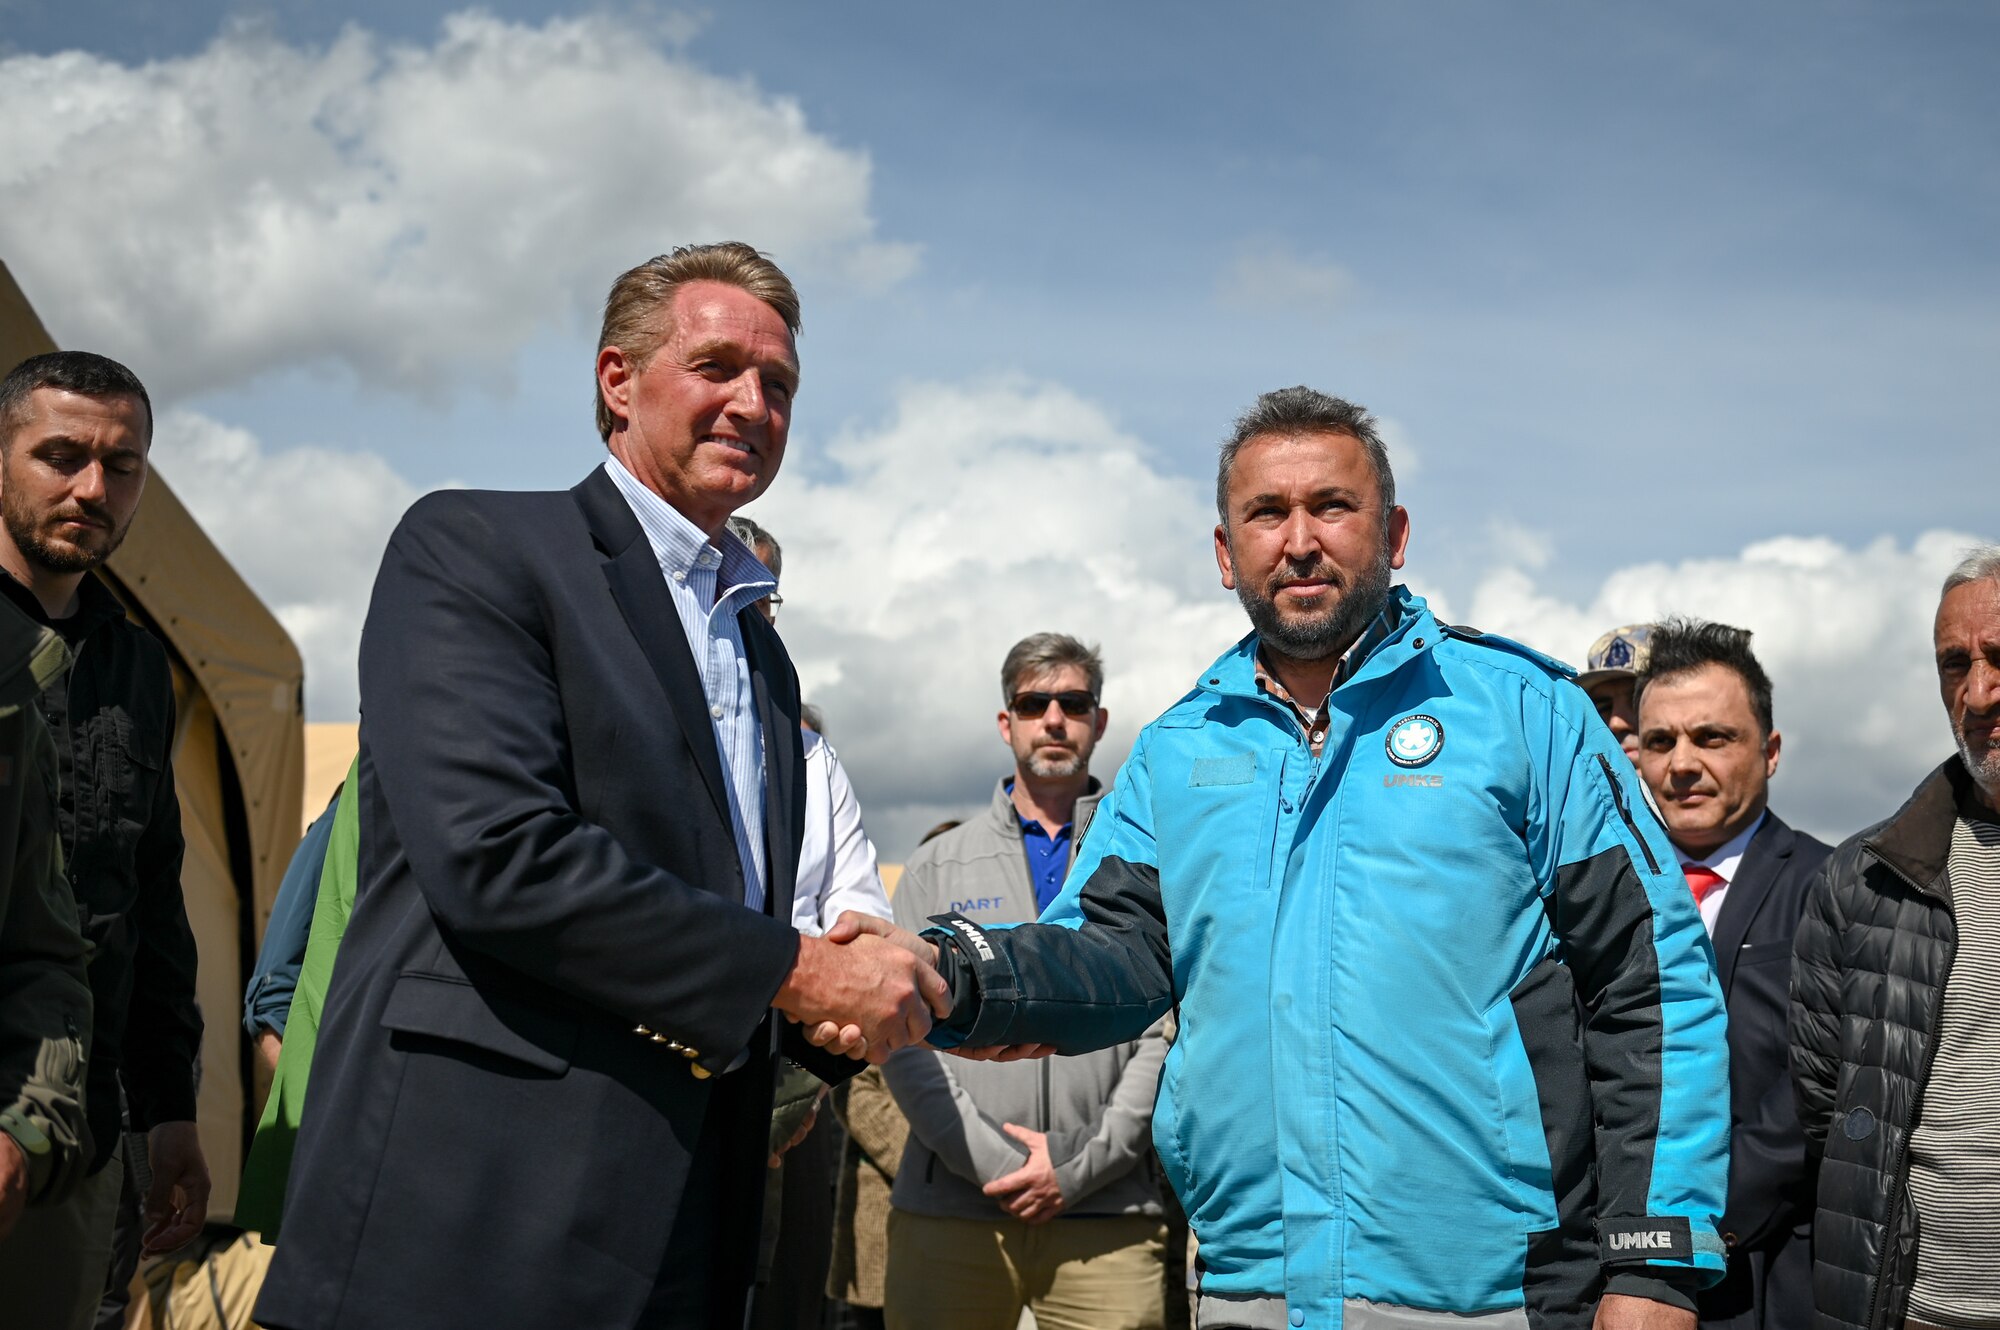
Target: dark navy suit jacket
(546, 862)
(1768, 1285)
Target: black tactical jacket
(44, 997)
(1868, 975)
(113, 720)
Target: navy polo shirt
(1048, 856)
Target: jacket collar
(1916, 842)
(640, 590)
(1008, 822)
(1756, 873)
(96, 606)
(1404, 631)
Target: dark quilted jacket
(1868, 976)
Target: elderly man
(1450, 1047)
(1707, 750)
(544, 1080)
(1896, 1019)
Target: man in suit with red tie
(1708, 750)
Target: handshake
(866, 989)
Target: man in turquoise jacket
(1451, 1044)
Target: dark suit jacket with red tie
(1768, 1285)
(545, 863)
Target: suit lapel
(1762, 862)
(766, 657)
(640, 591)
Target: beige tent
(238, 757)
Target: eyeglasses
(770, 605)
(1075, 702)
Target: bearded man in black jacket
(75, 429)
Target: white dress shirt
(1725, 861)
(837, 869)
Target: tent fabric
(330, 750)
(238, 760)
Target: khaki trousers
(52, 1265)
(977, 1274)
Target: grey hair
(1303, 410)
(1980, 563)
(759, 540)
(1039, 653)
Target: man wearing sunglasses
(1025, 1184)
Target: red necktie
(1702, 880)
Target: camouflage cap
(1619, 654)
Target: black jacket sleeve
(1815, 1018)
(1099, 971)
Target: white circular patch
(1415, 740)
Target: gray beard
(1985, 768)
(1327, 633)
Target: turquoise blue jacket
(1450, 1032)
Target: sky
(1669, 308)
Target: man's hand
(871, 987)
(269, 1045)
(177, 1204)
(1619, 1311)
(1003, 1052)
(852, 924)
(1031, 1191)
(804, 1129)
(13, 1183)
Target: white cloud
(1843, 632)
(412, 213)
(978, 513)
(1267, 275)
(305, 527)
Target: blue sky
(1639, 287)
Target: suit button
(1729, 1239)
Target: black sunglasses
(1075, 702)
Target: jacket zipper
(75, 760)
(1909, 1119)
(1625, 814)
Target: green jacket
(45, 1008)
(260, 1201)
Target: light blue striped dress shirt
(694, 569)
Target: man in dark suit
(543, 1084)
(1707, 750)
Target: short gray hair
(1039, 653)
(1980, 563)
(1302, 410)
(759, 540)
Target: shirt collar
(1727, 859)
(1378, 631)
(1057, 834)
(680, 546)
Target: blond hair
(635, 313)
